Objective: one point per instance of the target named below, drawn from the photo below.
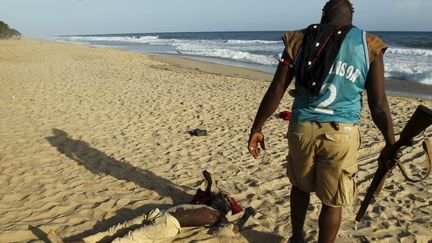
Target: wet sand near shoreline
(394, 87)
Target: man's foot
(54, 237)
(301, 239)
(292, 240)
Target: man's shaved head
(342, 6)
(338, 8)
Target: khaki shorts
(323, 159)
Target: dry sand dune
(91, 137)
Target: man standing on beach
(333, 63)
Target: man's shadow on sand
(100, 163)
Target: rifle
(420, 121)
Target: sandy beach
(91, 137)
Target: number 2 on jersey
(322, 107)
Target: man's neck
(338, 20)
(340, 23)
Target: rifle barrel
(419, 121)
(378, 178)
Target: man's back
(339, 99)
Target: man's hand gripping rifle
(419, 122)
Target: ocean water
(409, 56)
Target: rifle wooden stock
(420, 120)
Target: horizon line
(215, 31)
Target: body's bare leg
(329, 223)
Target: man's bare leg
(329, 223)
(299, 203)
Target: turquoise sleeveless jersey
(340, 99)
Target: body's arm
(202, 215)
(269, 104)
(195, 215)
(208, 179)
(377, 100)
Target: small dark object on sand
(198, 132)
(285, 115)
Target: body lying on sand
(207, 208)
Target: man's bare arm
(377, 100)
(269, 104)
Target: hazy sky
(60, 17)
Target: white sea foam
(409, 64)
(243, 56)
(134, 39)
(410, 75)
(411, 71)
(410, 52)
(251, 42)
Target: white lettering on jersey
(345, 70)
